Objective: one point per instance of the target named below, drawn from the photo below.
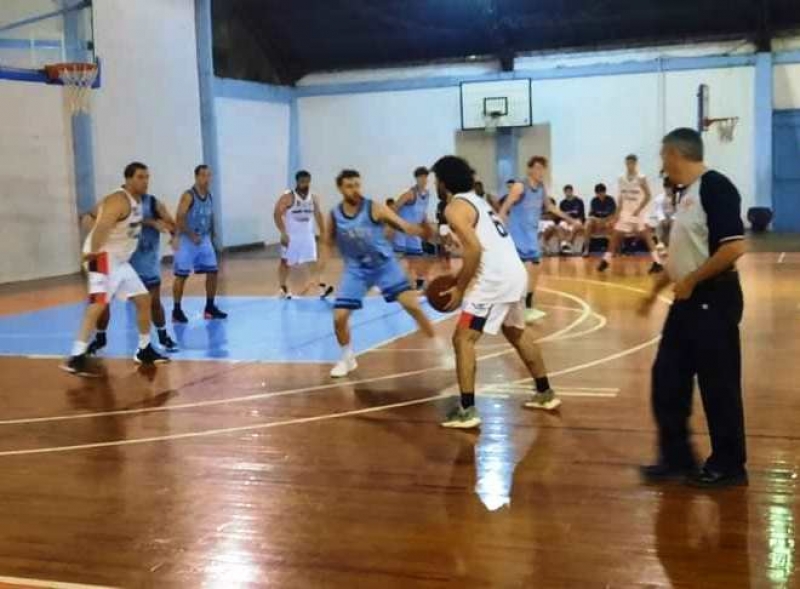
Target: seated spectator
(661, 213)
(548, 230)
(602, 214)
(572, 234)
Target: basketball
(436, 287)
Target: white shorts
(490, 317)
(629, 224)
(545, 225)
(109, 279)
(301, 250)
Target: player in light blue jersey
(522, 211)
(412, 206)
(195, 251)
(357, 227)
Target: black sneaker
(325, 291)
(711, 479)
(602, 266)
(79, 366)
(178, 316)
(655, 268)
(149, 356)
(98, 343)
(664, 473)
(214, 313)
(168, 344)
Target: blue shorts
(408, 245)
(530, 255)
(200, 258)
(357, 281)
(147, 265)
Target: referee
(701, 333)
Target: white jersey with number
(631, 194)
(501, 277)
(300, 227)
(124, 235)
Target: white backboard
(510, 100)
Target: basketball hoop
(725, 127)
(77, 79)
(492, 121)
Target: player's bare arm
(183, 210)
(284, 204)
(401, 200)
(516, 192)
(326, 242)
(384, 214)
(648, 196)
(461, 217)
(318, 216)
(115, 208)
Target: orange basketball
(436, 287)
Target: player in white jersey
(632, 201)
(107, 253)
(496, 300)
(297, 217)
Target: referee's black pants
(701, 338)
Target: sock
(144, 341)
(529, 300)
(542, 384)
(100, 337)
(467, 400)
(347, 351)
(209, 302)
(654, 255)
(608, 256)
(162, 333)
(420, 283)
(79, 348)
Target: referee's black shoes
(659, 472)
(705, 478)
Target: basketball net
(77, 79)
(491, 121)
(725, 128)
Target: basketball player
(297, 214)
(496, 300)
(633, 198)
(412, 207)
(195, 249)
(107, 253)
(146, 261)
(523, 210)
(356, 227)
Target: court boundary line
(351, 413)
(26, 582)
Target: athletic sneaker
(460, 418)
(546, 400)
(149, 356)
(98, 343)
(79, 366)
(325, 291)
(344, 367)
(532, 315)
(655, 268)
(178, 316)
(602, 266)
(213, 313)
(285, 293)
(168, 344)
(566, 248)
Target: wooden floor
(230, 475)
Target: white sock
(144, 341)
(347, 351)
(79, 348)
(654, 255)
(608, 256)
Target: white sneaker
(344, 367)
(533, 315)
(285, 294)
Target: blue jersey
(415, 210)
(524, 217)
(146, 260)
(200, 214)
(361, 241)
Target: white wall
(39, 236)
(384, 135)
(148, 108)
(253, 142)
(786, 86)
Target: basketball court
(242, 463)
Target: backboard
(34, 33)
(499, 104)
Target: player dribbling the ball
(496, 300)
